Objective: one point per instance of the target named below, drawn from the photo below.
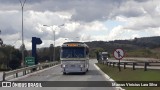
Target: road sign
(30, 61)
(118, 54)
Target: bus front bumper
(77, 69)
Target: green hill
(138, 47)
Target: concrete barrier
(27, 70)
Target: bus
(74, 57)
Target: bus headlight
(81, 65)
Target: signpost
(119, 54)
(29, 61)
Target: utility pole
(1, 41)
(22, 6)
(54, 39)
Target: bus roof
(74, 44)
(104, 52)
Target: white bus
(74, 57)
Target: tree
(15, 59)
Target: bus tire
(83, 72)
(87, 70)
(64, 73)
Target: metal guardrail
(27, 70)
(145, 64)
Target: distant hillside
(138, 47)
(145, 42)
(142, 44)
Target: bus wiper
(69, 55)
(77, 55)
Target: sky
(78, 20)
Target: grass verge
(132, 75)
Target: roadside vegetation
(132, 75)
(10, 57)
(138, 47)
(147, 53)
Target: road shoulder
(107, 77)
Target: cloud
(142, 23)
(129, 9)
(86, 10)
(33, 24)
(91, 9)
(85, 19)
(115, 33)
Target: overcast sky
(78, 20)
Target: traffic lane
(55, 74)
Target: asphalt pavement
(55, 74)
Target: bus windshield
(105, 55)
(72, 52)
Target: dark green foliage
(14, 64)
(138, 47)
(46, 54)
(10, 58)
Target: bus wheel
(83, 72)
(87, 70)
(64, 73)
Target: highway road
(55, 74)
